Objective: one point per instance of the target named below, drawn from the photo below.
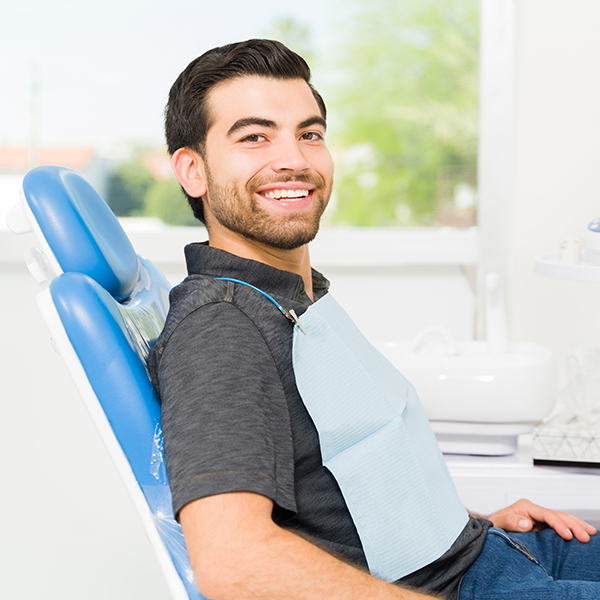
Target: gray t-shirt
(232, 416)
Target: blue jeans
(534, 566)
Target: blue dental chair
(105, 306)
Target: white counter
(487, 484)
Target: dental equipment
(480, 396)
(570, 435)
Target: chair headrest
(80, 229)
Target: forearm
(264, 561)
(285, 566)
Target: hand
(527, 516)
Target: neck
(295, 261)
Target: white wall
(69, 529)
(557, 159)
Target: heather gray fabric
(232, 416)
(233, 398)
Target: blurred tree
(127, 188)
(166, 201)
(406, 109)
(294, 35)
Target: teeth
(286, 194)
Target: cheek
(244, 168)
(328, 173)
(326, 166)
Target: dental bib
(376, 441)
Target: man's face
(268, 171)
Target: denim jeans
(534, 566)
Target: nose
(289, 157)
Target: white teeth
(286, 194)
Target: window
(404, 112)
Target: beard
(239, 211)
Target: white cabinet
(487, 484)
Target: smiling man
(265, 178)
(301, 462)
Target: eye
(253, 138)
(311, 136)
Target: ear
(188, 167)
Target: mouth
(294, 195)
(285, 194)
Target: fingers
(525, 515)
(571, 527)
(514, 517)
(511, 521)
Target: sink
(469, 383)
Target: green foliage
(127, 188)
(406, 110)
(166, 200)
(295, 35)
(134, 192)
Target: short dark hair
(187, 118)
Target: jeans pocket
(513, 543)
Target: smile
(285, 194)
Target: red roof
(16, 159)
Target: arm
(238, 552)
(527, 516)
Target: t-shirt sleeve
(224, 413)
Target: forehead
(286, 102)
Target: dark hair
(187, 118)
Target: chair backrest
(105, 306)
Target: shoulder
(200, 298)
(222, 321)
(196, 306)
(212, 336)
(189, 296)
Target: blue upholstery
(101, 332)
(80, 228)
(112, 305)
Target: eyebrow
(247, 122)
(316, 120)
(241, 123)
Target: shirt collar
(202, 259)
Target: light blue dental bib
(376, 441)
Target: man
(261, 514)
